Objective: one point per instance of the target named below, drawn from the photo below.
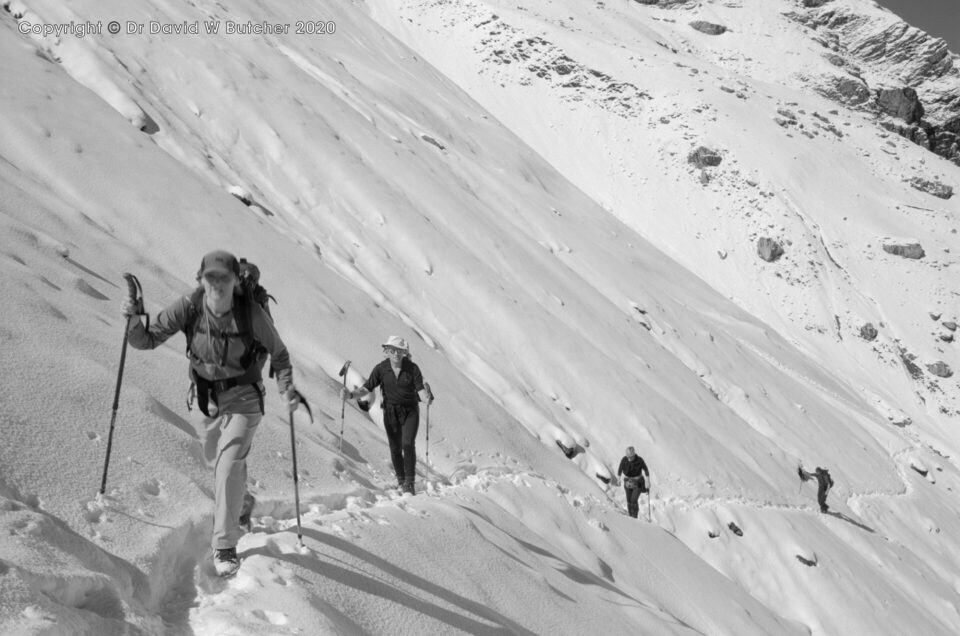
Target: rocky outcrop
(768, 249)
(940, 369)
(814, 3)
(933, 187)
(878, 49)
(868, 332)
(847, 90)
(703, 157)
(708, 27)
(910, 250)
(900, 102)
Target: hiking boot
(225, 561)
(408, 487)
(249, 501)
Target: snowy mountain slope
(536, 314)
(836, 198)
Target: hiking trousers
(401, 424)
(226, 443)
(633, 499)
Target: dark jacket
(398, 390)
(633, 468)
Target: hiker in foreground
(401, 386)
(633, 469)
(228, 338)
(824, 484)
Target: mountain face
(684, 226)
(638, 88)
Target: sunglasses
(391, 351)
(218, 278)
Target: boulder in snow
(933, 187)
(708, 27)
(703, 157)
(940, 369)
(868, 332)
(814, 3)
(910, 250)
(768, 249)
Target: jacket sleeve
(374, 380)
(620, 470)
(417, 378)
(643, 467)
(266, 334)
(168, 322)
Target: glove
(346, 394)
(131, 307)
(291, 398)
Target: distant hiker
(226, 334)
(633, 469)
(401, 386)
(824, 484)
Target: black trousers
(633, 498)
(401, 424)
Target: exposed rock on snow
(940, 369)
(933, 187)
(703, 157)
(868, 332)
(910, 250)
(768, 249)
(900, 102)
(708, 27)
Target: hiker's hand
(346, 394)
(292, 399)
(131, 307)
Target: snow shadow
(478, 623)
(576, 574)
(840, 515)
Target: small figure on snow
(402, 388)
(227, 373)
(633, 469)
(824, 484)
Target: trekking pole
(429, 399)
(649, 490)
(296, 479)
(135, 294)
(343, 402)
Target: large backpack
(255, 354)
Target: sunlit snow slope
(394, 192)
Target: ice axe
(343, 402)
(135, 292)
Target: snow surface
(564, 276)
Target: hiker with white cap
(401, 386)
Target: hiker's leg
(394, 436)
(408, 443)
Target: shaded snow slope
(387, 200)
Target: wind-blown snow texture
(507, 186)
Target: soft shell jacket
(211, 336)
(399, 390)
(633, 468)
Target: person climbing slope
(226, 335)
(401, 384)
(633, 469)
(824, 484)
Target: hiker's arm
(367, 387)
(419, 387)
(169, 321)
(266, 333)
(643, 468)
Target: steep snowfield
(490, 225)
